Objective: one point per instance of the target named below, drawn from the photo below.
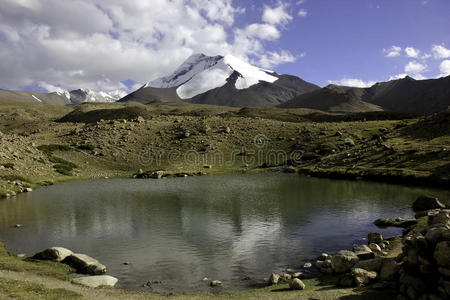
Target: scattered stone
(298, 275)
(374, 264)
(216, 283)
(307, 265)
(96, 281)
(28, 190)
(296, 284)
(21, 255)
(18, 225)
(205, 279)
(427, 203)
(338, 133)
(85, 264)
(158, 174)
(344, 261)
(285, 277)
(274, 278)
(54, 254)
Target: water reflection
(223, 227)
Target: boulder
(296, 284)
(442, 254)
(53, 253)
(346, 280)
(426, 203)
(375, 248)
(437, 234)
(374, 264)
(307, 265)
(298, 275)
(344, 261)
(362, 277)
(285, 277)
(96, 281)
(363, 252)
(375, 237)
(85, 264)
(274, 278)
(389, 269)
(443, 217)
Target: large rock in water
(96, 281)
(344, 261)
(85, 264)
(427, 203)
(53, 253)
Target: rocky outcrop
(424, 270)
(96, 281)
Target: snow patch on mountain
(36, 98)
(201, 73)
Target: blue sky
(345, 38)
(119, 45)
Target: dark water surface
(221, 227)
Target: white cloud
(262, 31)
(353, 82)
(99, 43)
(440, 52)
(444, 67)
(414, 67)
(300, 2)
(302, 13)
(276, 15)
(271, 59)
(393, 51)
(412, 52)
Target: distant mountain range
(222, 80)
(229, 81)
(403, 95)
(62, 98)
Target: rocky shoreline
(421, 269)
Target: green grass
(26, 290)
(44, 268)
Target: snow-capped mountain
(87, 95)
(222, 80)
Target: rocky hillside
(403, 95)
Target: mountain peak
(200, 73)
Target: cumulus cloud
(302, 13)
(414, 67)
(444, 67)
(271, 59)
(97, 44)
(353, 82)
(393, 51)
(440, 52)
(276, 15)
(412, 52)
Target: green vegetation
(44, 268)
(25, 290)
(7, 165)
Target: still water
(181, 230)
